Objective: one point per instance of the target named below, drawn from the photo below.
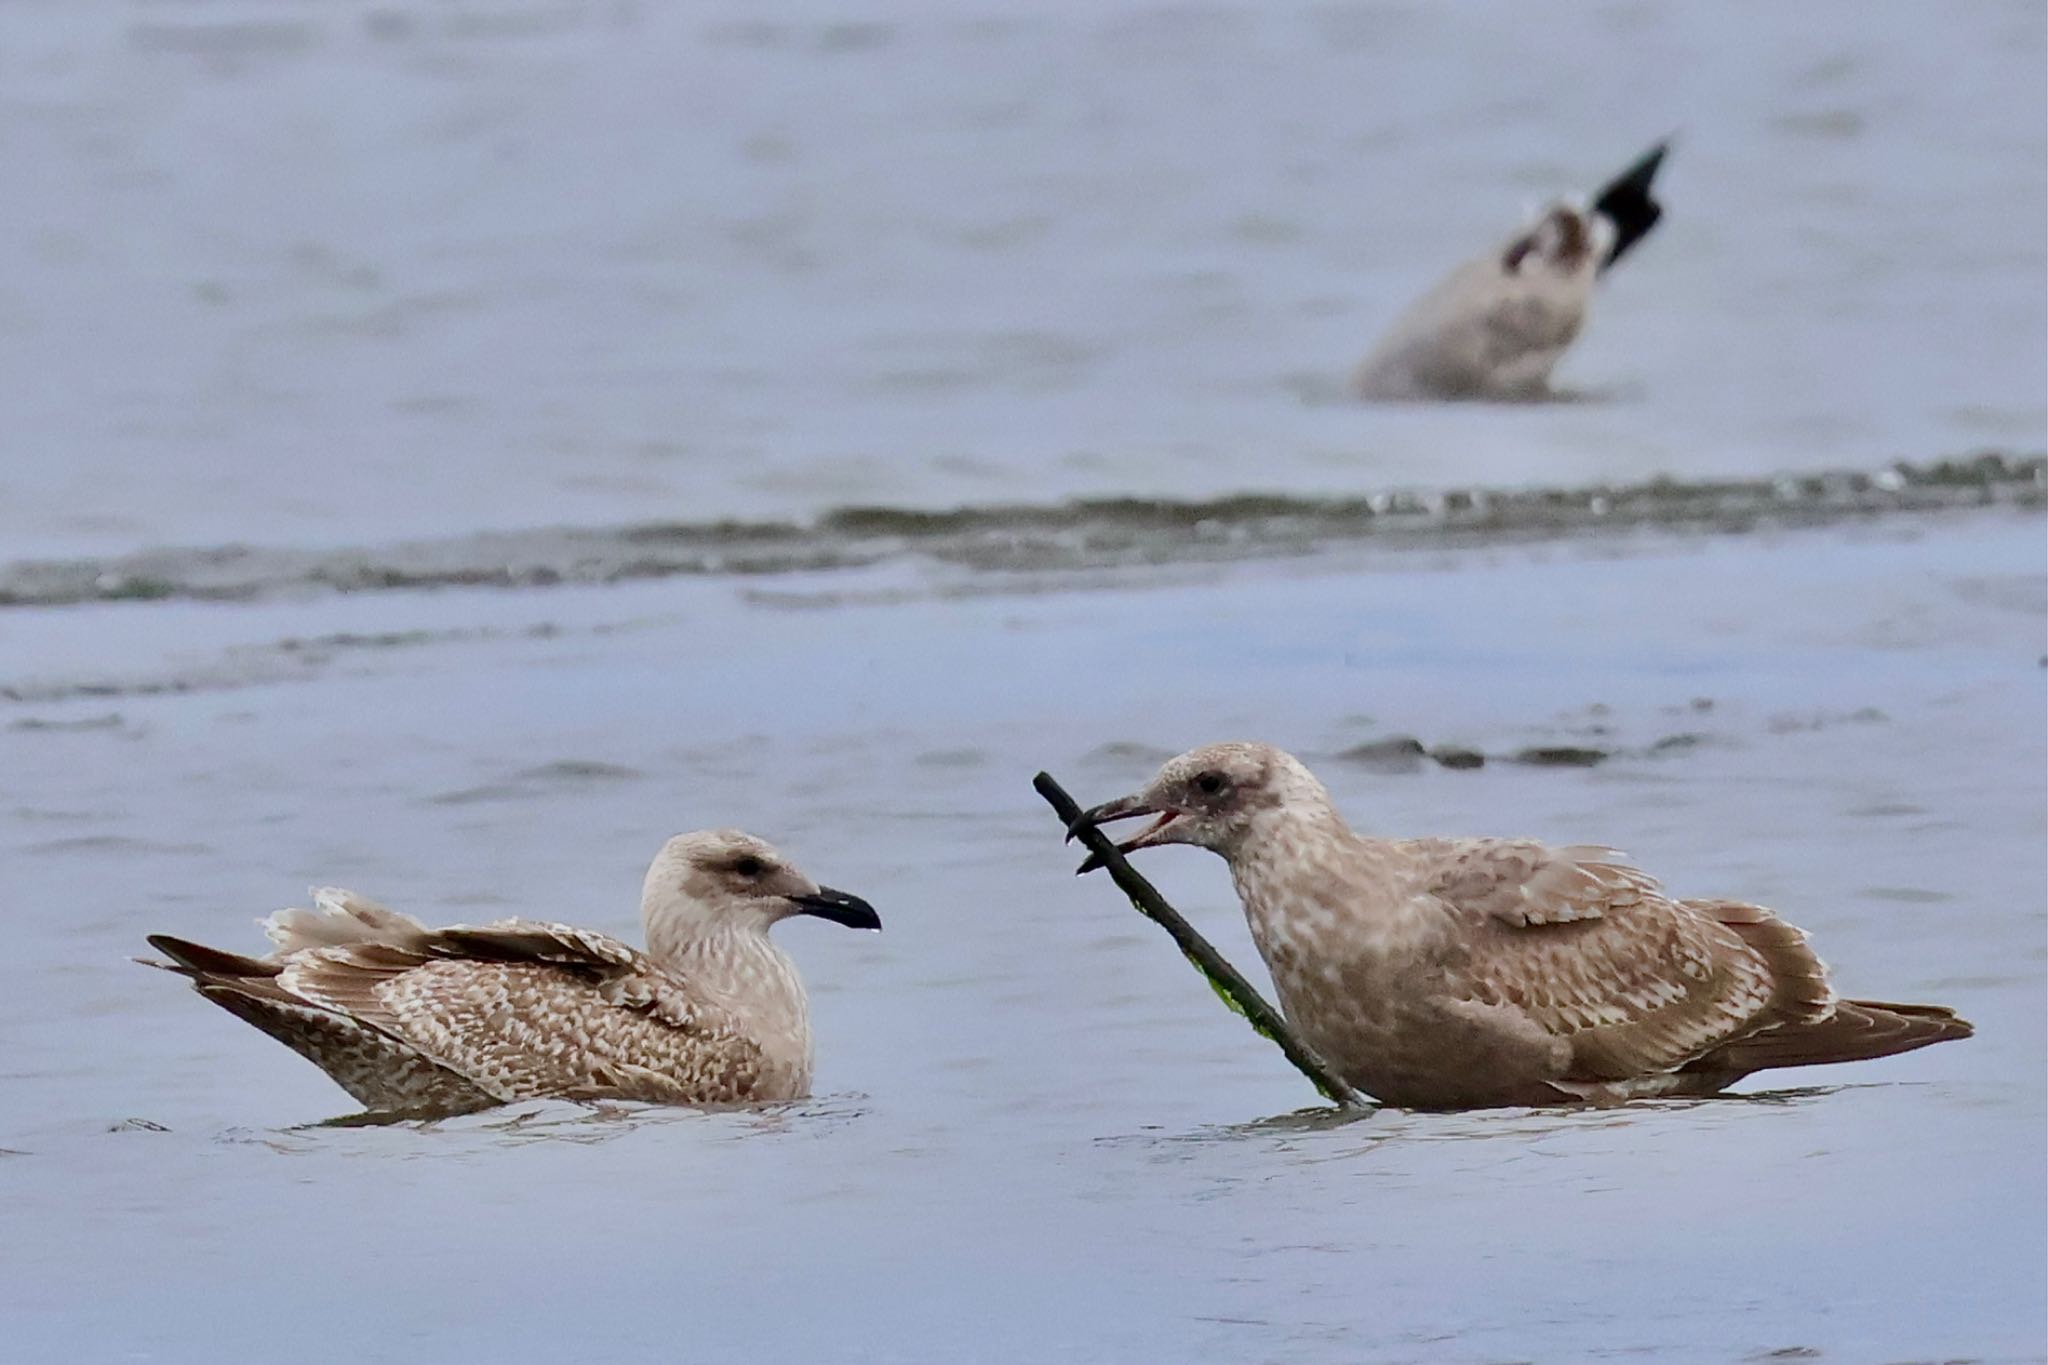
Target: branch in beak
(1123, 808)
(838, 906)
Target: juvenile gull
(1461, 973)
(1497, 325)
(409, 1019)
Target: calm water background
(341, 272)
(296, 274)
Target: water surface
(449, 449)
(1037, 1135)
(383, 269)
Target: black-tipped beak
(1123, 808)
(838, 906)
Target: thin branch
(1224, 979)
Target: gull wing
(1591, 950)
(526, 1009)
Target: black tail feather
(1625, 201)
(196, 959)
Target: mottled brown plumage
(417, 1020)
(1450, 973)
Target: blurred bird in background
(1496, 327)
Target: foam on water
(1084, 534)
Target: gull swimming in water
(414, 1020)
(1467, 973)
(1496, 326)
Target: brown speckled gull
(1454, 973)
(414, 1020)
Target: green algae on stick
(1229, 984)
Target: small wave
(1089, 533)
(114, 845)
(539, 781)
(109, 721)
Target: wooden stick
(1228, 983)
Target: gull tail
(1625, 202)
(384, 1073)
(1856, 1031)
(204, 965)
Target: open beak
(838, 906)
(1123, 808)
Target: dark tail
(1625, 201)
(383, 1072)
(1857, 1031)
(200, 962)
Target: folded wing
(527, 1009)
(1592, 951)
(459, 1018)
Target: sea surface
(449, 448)
(285, 273)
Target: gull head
(726, 879)
(1215, 797)
(1566, 239)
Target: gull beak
(1123, 808)
(838, 906)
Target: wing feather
(339, 916)
(1591, 950)
(528, 1009)
(1522, 882)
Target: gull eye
(1211, 784)
(749, 866)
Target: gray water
(1037, 1135)
(382, 269)
(449, 450)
